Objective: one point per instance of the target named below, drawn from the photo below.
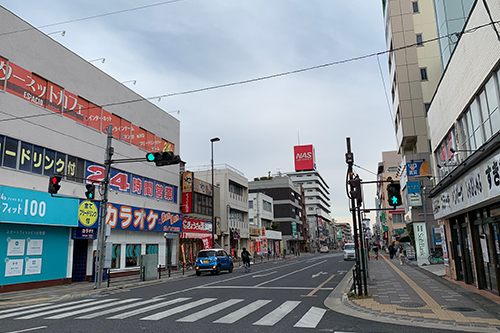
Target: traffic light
(90, 191)
(356, 192)
(394, 194)
(54, 184)
(163, 158)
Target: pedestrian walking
(375, 250)
(392, 250)
(401, 254)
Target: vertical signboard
(304, 157)
(421, 243)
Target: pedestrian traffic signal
(54, 184)
(163, 158)
(90, 191)
(394, 194)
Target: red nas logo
(303, 156)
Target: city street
(278, 296)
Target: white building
(56, 110)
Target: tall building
(316, 194)
(416, 64)
(464, 122)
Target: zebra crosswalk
(155, 309)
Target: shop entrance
(488, 252)
(80, 247)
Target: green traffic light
(150, 157)
(394, 200)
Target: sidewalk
(418, 296)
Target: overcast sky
(186, 45)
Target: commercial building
(232, 205)
(261, 220)
(287, 207)
(464, 123)
(316, 195)
(56, 112)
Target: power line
(262, 78)
(93, 17)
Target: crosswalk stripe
(244, 311)
(48, 307)
(25, 308)
(311, 318)
(76, 312)
(44, 313)
(278, 314)
(211, 310)
(121, 308)
(178, 309)
(147, 308)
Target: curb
(339, 302)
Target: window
(423, 74)
(151, 248)
(115, 256)
(420, 40)
(415, 6)
(397, 218)
(250, 204)
(267, 206)
(133, 253)
(235, 188)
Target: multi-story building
(345, 232)
(57, 110)
(316, 194)
(263, 229)
(233, 203)
(464, 122)
(287, 207)
(390, 222)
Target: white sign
(484, 248)
(444, 247)
(33, 266)
(35, 247)
(415, 199)
(457, 195)
(491, 173)
(15, 247)
(13, 267)
(474, 186)
(421, 244)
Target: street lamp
(213, 190)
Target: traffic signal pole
(103, 211)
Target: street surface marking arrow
(319, 274)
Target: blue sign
(417, 169)
(84, 233)
(142, 219)
(31, 207)
(413, 187)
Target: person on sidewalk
(392, 250)
(375, 250)
(401, 254)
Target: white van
(349, 251)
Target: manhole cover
(411, 305)
(460, 309)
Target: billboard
(304, 157)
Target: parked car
(324, 249)
(349, 251)
(213, 261)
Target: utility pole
(103, 212)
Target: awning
(197, 235)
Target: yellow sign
(87, 213)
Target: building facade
(464, 122)
(55, 121)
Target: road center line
(283, 276)
(320, 286)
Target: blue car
(213, 261)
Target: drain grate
(460, 309)
(411, 305)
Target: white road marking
(147, 308)
(125, 307)
(86, 310)
(48, 307)
(262, 275)
(244, 311)
(311, 318)
(278, 314)
(65, 308)
(211, 310)
(29, 329)
(299, 270)
(178, 309)
(318, 274)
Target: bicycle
(436, 257)
(247, 267)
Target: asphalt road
(277, 296)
